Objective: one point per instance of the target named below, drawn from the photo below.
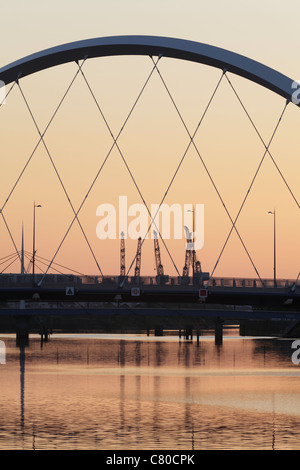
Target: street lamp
(273, 213)
(33, 239)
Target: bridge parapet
(202, 280)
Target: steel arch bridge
(153, 46)
(160, 47)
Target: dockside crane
(122, 256)
(137, 270)
(191, 256)
(188, 253)
(159, 266)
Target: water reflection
(100, 392)
(22, 382)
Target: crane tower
(137, 271)
(159, 266)
(191, 256)
(122, 256)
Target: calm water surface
(138, 392)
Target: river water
(133, 392)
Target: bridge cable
(37, 261)
(57, 264)
(263, 142)
(100, 170)
(12, 262)
(207, 171)
(183, 157)
(10, 234)
(130, 173)
(38, 143)
(250, 187)
(30, 158)
(5, 222)
(59, 178)
(181, 161)
(7, 258)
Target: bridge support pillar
(158, 332)
(219, 332)
(242, 328)
(189, 333)
(22, 331)
(22, 337)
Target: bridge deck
(150, 291)
(201, 280)
(90, 303)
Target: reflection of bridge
(47, 298)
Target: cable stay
(45, 262)
(60, 179)
(10, 235)
(30, 158)
(124, 160)
(10, 259)
(40, 140)
(263, 142)
(181, 161)
(205, 167)
(102, 165)
(248, 192)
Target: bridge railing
(60, 280)
(252, 283)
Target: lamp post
(33, 239)
(274, 214)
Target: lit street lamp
(33, 239)
(273, 213)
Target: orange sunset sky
(154, 139)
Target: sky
(154, 139)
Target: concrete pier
(158, 331)
(189, 333)
(219, 332)
(22, 337)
